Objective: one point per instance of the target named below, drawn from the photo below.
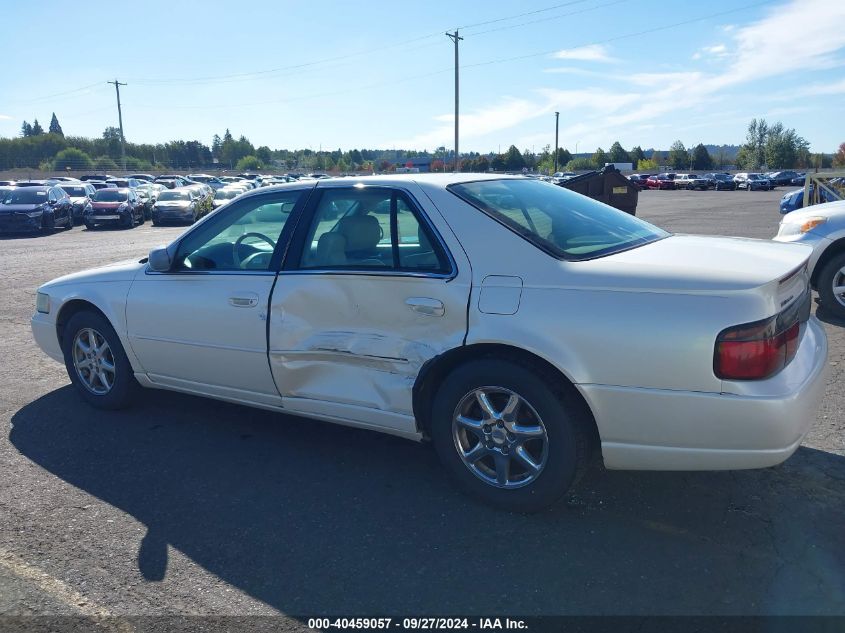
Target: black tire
(69, 224)
(825, 282)
(48, 222)
(124, 387)
(565, 420)
(129, 223)
(90, 226)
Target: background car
(691, 181)
(793, 200)
(176, 205)
(224, 195)
(125, 182)
(660, 181)
(99, 184)
(212, 181)
(37, 208)
(641, 180)
(822, 227)
(115, 207)
(782, 178)
(752, 182)
(80, 194)
(721, 181)
(144, 177)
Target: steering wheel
(239, 241)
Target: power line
(547, 19)
(226, 78)
(522, 15)
(624, 36)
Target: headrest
(362, 232)
(331, 250)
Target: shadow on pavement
(314, 518)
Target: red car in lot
(661, 181)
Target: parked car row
(104, 199)
(719, 181)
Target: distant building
(414, 165)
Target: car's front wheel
(831, 285)
(509, 434)
(96, 361)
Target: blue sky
(380, 74)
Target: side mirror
(159, 260)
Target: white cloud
(591, 53)
(5, 117)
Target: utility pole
(117, 86)
(557, 119)
(456, 38)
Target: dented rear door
(348, 339)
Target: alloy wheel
(500, 437)
(93, 361)
(839, 286)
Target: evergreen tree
(637, 155)
(36, 128)
(55, 128)
(701, 158)
(678, 156)
(618, 154)
(513, 159)
(599, 158)
(26, 129)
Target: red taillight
(755, 350)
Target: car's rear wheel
(96, 361)
(831, 286)
(506, 433)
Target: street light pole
(456, 38)
(557, 119)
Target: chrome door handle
(247, 300)
(426, 305)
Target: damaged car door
(374, 285)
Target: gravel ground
(189, 506)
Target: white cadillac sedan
(517, 325)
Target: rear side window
(562, 223)
(370, 229)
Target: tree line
(771, 146)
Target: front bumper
(753, 424)
(19, 222)
(175, 214)
(45, 335)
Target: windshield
(565, 224)
(74, 192)
(109, 195)
(25, 196)
(225, 194)
(175, 195)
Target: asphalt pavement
(189, 506)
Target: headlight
(35, 214)
(42, 303)
(795, 228)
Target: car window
(370, 228)
(564, 224)
(243, 238)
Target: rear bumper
(760, 425)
